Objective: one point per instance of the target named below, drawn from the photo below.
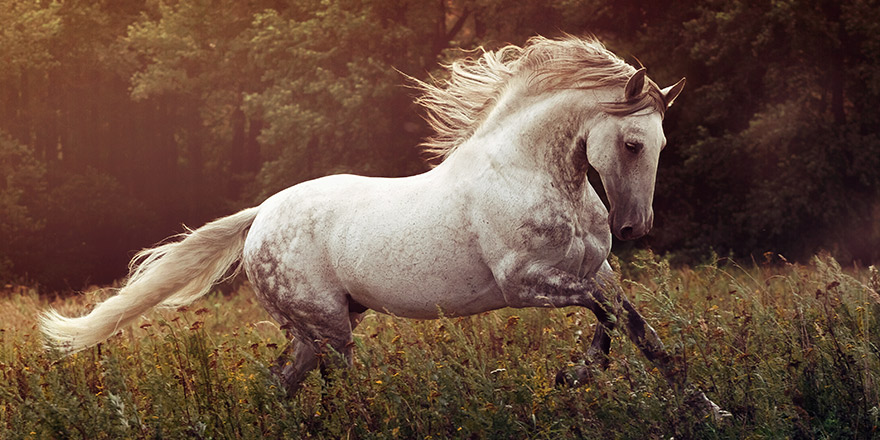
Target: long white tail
(169, 275)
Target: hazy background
(122, 120)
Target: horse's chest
(576, 239)
(585, 251)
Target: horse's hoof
(708, 408)
(721, 415)
(716, 413)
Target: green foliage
(22, 189)
(28, 33)
(320, 80)
(775, 140)
(790, 350)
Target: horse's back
(401, 245)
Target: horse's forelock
(650, 98)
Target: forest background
(121, 120)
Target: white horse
(508, 219)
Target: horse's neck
(532, 133)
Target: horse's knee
(649, 343)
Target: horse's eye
(633, 147)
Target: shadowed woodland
(122, 120)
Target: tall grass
(790, 350)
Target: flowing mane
(456, 107)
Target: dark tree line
(121, 120)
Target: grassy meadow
(791, 350)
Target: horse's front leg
(545, 286)
(646, 339)
(600, 346)
(597, 355)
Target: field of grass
(791, 350)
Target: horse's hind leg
(340, 356)
(296, 283)
(294, 363)
(317, 343)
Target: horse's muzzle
(632, 229)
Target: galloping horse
(507, 219)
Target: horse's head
(569, 81)
(624, 148)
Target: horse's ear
(671, 92)
(635, 84)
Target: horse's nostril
(626, 232)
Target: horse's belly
(427, 300)
(422, 287)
